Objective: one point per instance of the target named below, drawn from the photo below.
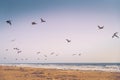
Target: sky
(76, 20)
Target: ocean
(110, 67)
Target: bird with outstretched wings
(100, 27)
(115, 35)
(68, 40)
(42, 20)
(9, 22)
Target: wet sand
(27, 73)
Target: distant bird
(42, 20)
(22, 59)
(45, 59)
(16, 49)
(115, 35)
(19, 52)
(56, 54)
(79, 54)
(4, 57)
(13, 40)
(45, 55)
(9, 22)
(26, 59)
(74, 54)
(38, 58)
(100, 27)
(6, 49)
(34, 23)
(38, 52)
(52, 53)
(68, 40)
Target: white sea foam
(108, 68)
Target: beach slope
(28, 73)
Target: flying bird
(115, 35)
(4, 57)
(68, 40)
(9, 22)
(52, 53)
(19, 52)
(74, 54)
(42, 20)
(26, 58)
(16, 49)
(38, 52)
(38, 58)
(6, 49)
(13, 40)
(100, 27)
(56, 54)
(45, 55)
(79, 54)
(34, 23)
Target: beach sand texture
(28, 73)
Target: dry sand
(27, 73)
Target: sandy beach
(28, 73)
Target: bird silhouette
(45, 59)
(16, 49)
(6, 49)
(45, 55)
(19, 52)
(52, 53)
(74, 54)
(38, 58)
(115, 35)
(100, 27)
(26, 58)
(9, 22)
(13, 40)
(42, 20)
(79, 54)
(38, 52)
(68, 40)
(4, 57)
(34, 23)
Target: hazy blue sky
(76, 20)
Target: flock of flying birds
(52, 53)
(114, 35)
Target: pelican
(115, 35)
(9, 22)
(68, 40)
(100, 27)
(42, 20)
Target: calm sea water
(111, 67)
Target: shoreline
(107, 68)
(30, 73)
